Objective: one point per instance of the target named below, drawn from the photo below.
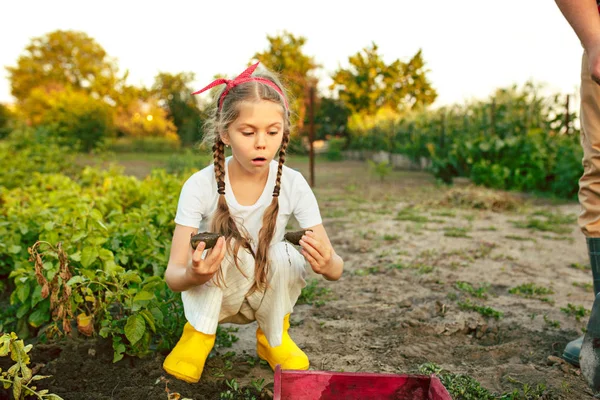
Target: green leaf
(48, 226)
(23, 292)
(78, 236)
(17, 386)
(76, 279)
(106, 254)
(36, 296)
(149, 319)
(119, 349)
(158, 315)
(88, 256)
(135, 328)
(4, 344)
(75, 256)
(22, 310)
(131, 276)
(14, 249)
(38, 317)
(143, 296)
(96, 215)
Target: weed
(389, 237)
(457, 232)
(551, 322)
(479, 292)
(577, 311)
(409, 214)
(483, 310)
(549, 222)
(464, 387)
(313, 294)
(520, 238)
(580, 267)
(588, 287)
(530, 290)
(225, 337)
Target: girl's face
(256, 134)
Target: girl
(250, 274)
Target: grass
(531, 290)
(410, 214)
(547, 221)
(457, 232)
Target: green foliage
(7, 121)
(20, 377)
(78, 120)
(174, 93)
(285, 56)
(530, 290)
(26, 152)
(115, 230)
(464, 387)
(334, 149)
(483, 310)
(148, 144)
(236, 392)
(515, 140)
(380, 169)
(64, 60)
(577, 311)
(313, 294)
(370, 84)
(479, 292)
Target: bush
(80, 121)
(334, 149)
(129, 144)
(26, 151)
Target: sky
(471, 47)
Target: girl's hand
(201, 270)
(317, 254)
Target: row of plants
(84, 250)
(517, 140)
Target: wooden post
(311, 136)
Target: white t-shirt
(198, 201)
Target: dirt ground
(478, 282)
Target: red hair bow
(245, 76)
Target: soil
(409, 249)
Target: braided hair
(222, 220)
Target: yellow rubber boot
(288, 354)
(186, 360)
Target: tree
(174, 95)
(65, 60)
(331, 118)
(7, 121)
(369, 85)
(285, 57)
(77, 119)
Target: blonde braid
(222, 221)
(261, 265)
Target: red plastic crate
(325, 385)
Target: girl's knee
(284, 257)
